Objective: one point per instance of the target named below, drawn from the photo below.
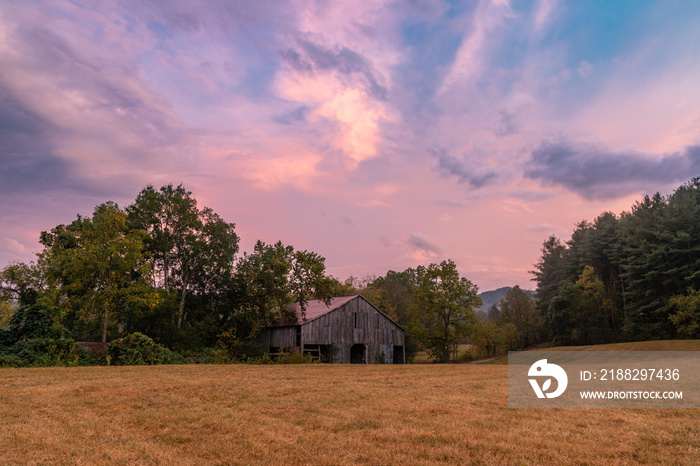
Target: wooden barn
(350, 330)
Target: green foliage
(518, 308)
(237, 348)
(20, 282)
(41, 351)
(138, 349)
(686, 317)
(35, 320)
(444, 308)
(101, 269)
(46, 352)
(34, 337)
(294, 358)
(191, 250)
(268, 280)
(616, 278)
(289, 358)
(7, 310)
(549, 271)
(216, 356)
(490, 339)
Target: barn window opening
(354, 314)
(298, 339)
(329, 353)
(313, 351)
(357, 354)
(274, 352)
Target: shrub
(5, 337)
(139, 349)
(34, 321)
(11, 360)
(47, 351)
(283, 358)
(469, 355)
(237, 348)
(294, 358)
(208, 356)
(42, 352)
(687, 314)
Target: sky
(380, 134)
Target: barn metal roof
(317, 308)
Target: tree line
(163, 267)
(631, 277)
(169, 271)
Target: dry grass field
(316, 414)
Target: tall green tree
(270, 278)
(394, 295)
(99, 265)
(549, 273)
(192, 250)
(518, 308)
(19, 279)
(444, 307)
(591, 308)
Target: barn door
(398, 355)
(357, 354)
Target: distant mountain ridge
(492, 297)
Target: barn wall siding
(355, 322)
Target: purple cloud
(464, 170)
(597, 173)
(420, 242)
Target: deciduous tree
(100, 266)
(444, 308)
(270, 278)
(192, 250)
(518, 308)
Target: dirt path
(487, 359)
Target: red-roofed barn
(349, 330)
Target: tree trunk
(181, 311)
(105, 322)
(165, 272)
(447, 338)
